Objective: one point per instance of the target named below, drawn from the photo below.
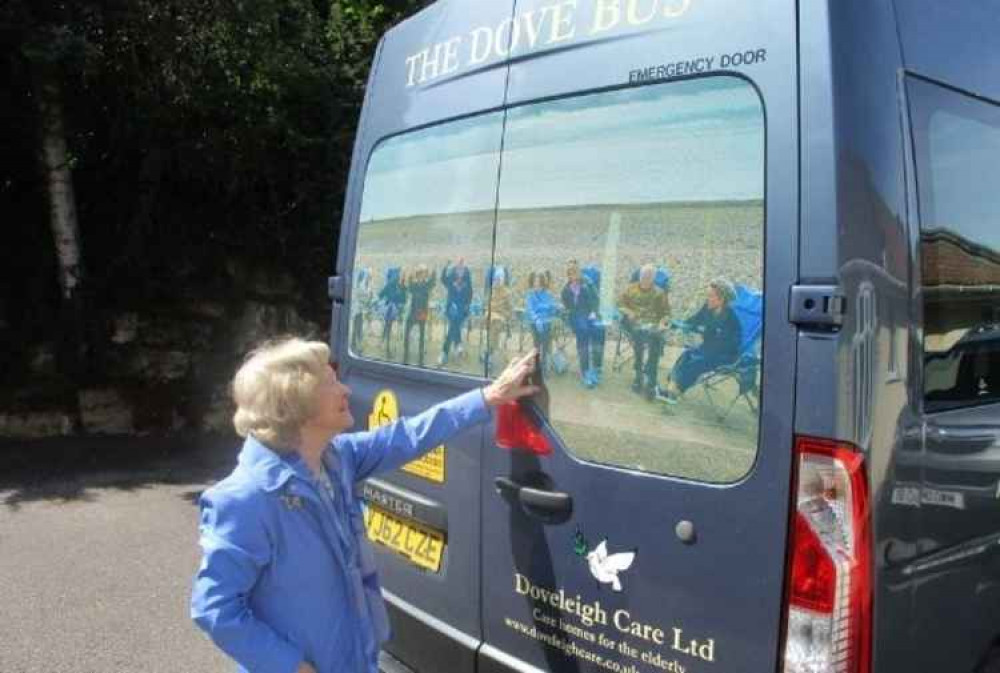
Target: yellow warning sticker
(385, 410)
(430, 466)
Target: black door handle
(548, 506)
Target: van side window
(425, 242)
(629, 251)
(957, 147)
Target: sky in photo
(699, 140)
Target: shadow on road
(71, 468)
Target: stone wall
(160, 369)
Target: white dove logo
(605, 567)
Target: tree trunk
(58, 178)
(59, 182)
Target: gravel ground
(97, 552)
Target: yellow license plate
(421, 546)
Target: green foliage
(201, 128)
(199, 131)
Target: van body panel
(428, 643)
(957, 568)
(952, 42)
(855, 227)
(930, 556)
(819, 161)
(724, 590)
(606, 49)
(956, 470)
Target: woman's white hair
(725, 289)
(275, 390)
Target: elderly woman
(720, 345)
(287, 582)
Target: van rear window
(957, 146)
(629, 242)
(621, 233)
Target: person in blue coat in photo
(580, 300)
(393, 299)
(287, 581)
(457, 281)
(541, 310)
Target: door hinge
(335, 288)
(817, 306)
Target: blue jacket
(721, 334)
(459, 296)
(285, 577)
(540, 308)
(393, 297)
(580, 306)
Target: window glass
(629, 249)
(425, 241)
(957, 142)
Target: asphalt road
(98, 545)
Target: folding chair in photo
(562, 339)
(623, 354)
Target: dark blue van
(757, 245)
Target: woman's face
(713, 299)
(332, 413)
(573, 273)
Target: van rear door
(652, 139)
(420, 208)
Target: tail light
(828, 625)
(517, 430)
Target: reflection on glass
(958, 146)
(630, 240)
(424, 246)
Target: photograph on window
(629, 251)
(425, 240)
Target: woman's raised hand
(512, 384)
